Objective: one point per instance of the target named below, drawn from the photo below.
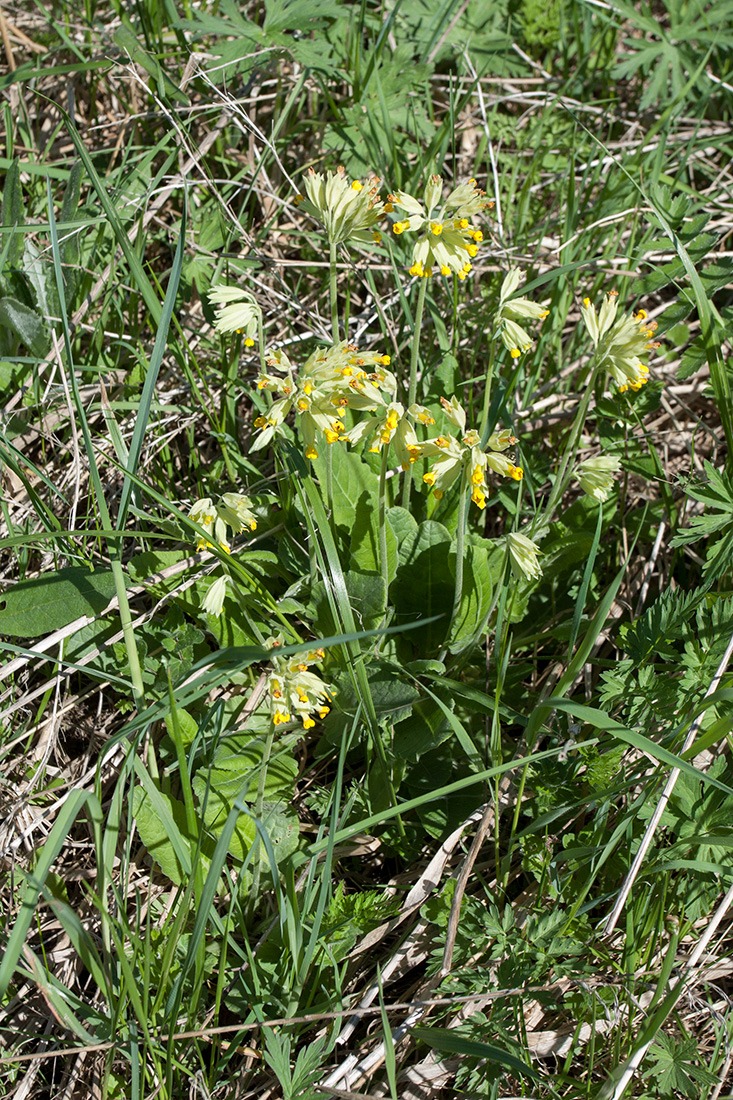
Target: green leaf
(404, 526)
(674, 1066)
(443, 1039)
(142, 566)
(355, 484)
(234, 775)
(32, 608)
(188, 727)
(155, 832)
(424, 584)
(367, 597)
(13, 213)
(423, 730)
(475, 600)
(26, 325)
(365, 552)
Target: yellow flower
(237, 312)
(512, 310)
(213, 601)
(293, 689)
(232, 510)
(595, 475)
(347, 211)
(465, 453)
(620, 341)
(523, 556)
(330, 381)
(446, 238)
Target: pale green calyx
(596, 475)
(523, 556)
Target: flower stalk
(412, 384)
(460, 543)
(382, 521)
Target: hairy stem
(333, 289)
(259, 802)
(460, 544)
(383, 562)
(571, 447)
(412, 385)
(484, 429)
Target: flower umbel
(512, 310)
(292, 689)
(523, 556)
(447, 240)
(233, 510)
(330, 381)
(347, 211)
(466, 453)
(596, 475)
(237, 312)
(620, 341)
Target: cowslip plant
(232, 511)
(347, 209)
(406, 485)
(330, 381)
(596, 476)
(465, 455)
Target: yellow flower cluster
(330, 381)
(457, 455)
(513, 310)
(233, 510)
(292, 689)
(619, 341)
(347, 211)
(447, 240)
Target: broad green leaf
(367, 598)
(155, 833)
(40, 276)
(424, 585)
(188, 727)
(142, 566)
(424, 729)
(234, 775)
(404, 526)
(475, 600)
(355, 485)
(365, 552)
(26, 325)
(32, 608)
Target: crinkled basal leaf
(33, 608)
(155, 835)
(365, 539)
(235, 774)
(355, 485)
(367, 598)
(475, 601)
(26, 325)
(423, 730)
(424, 585)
